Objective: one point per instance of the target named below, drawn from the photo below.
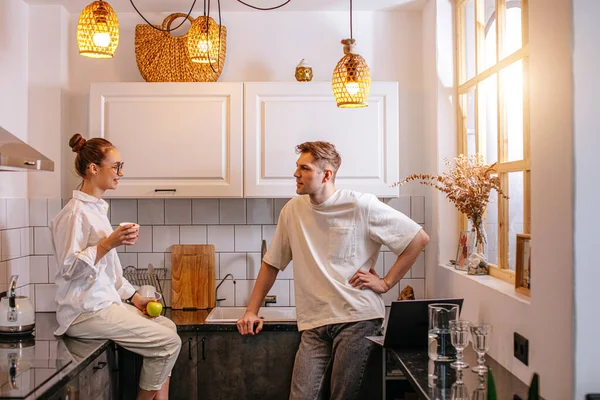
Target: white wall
(586, 62)
(14, 25)
(264, 46)
(546, 320)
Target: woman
(91, 287)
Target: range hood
(16, 155)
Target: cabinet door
(279, 116)
(232, 366)
(176, 139)
(184, 377)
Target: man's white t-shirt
(329, 243)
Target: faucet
(270, 299)
(219, 285)
(263, 249)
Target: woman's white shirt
(83, 284)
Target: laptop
(408, 323)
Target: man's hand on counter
(246, 324)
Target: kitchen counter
(57, 360)
(436, 380)
(195, 321)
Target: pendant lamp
(98, 31)
(204, 41)
(351, 81)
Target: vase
(479, 249)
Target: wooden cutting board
(193, 274)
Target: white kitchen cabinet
(278, 116)
(176, 139)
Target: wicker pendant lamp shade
(98, 31)
(351, 81)
(203, 41)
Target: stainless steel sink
(226, 315)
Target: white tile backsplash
(156, 259)
(418, 268)
(227, 292)
(11, 244)
(205, 211)
(45, 297)
(123, 210)
(3, 222)
(389, 259)
(25, 243)
(232, 211)
(38, 269)
(38, 212)
(259, 211)
(232, 263)
(253, 263)
(243, 291)
(54, 207)
(178, 211)
(194, 234)
(235, 226)
(42, 241)
(144, 242)
(222, 236)
(151, 212)
(417, 209)
(401, 204)
(128, 259)
(247, 238)
(281, 289)
(292, 294)
(17, 213)
(164, 237)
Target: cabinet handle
(203, 355)
(165, 190)
(190, 348)
(100, 365)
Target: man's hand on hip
(369, 280)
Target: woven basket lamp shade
(98, 31)
(351, 81)
(203, 41)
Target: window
(492, 57)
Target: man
(334, 237)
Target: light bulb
(101, 39)
(352, 88)
(205, 46)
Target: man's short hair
(324, 154)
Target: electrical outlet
(521, 348)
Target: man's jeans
(333, 361)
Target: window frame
(502, 168)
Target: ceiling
(75, 6)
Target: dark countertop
(436, 380)
(57, 360)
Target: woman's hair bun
(77, 142)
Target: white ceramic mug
(136, 226)
(149, 291)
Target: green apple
(153, 308)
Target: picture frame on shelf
(523, 264)
(466, 241)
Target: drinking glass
(459, 390)
(481, 392)
(440, 346)
(480, 336)
(459, 335)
